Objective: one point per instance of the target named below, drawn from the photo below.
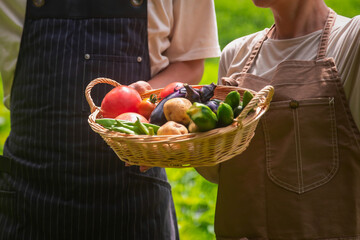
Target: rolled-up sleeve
(194, 34)
(181, 30)
(12, 16)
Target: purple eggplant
(213, 104)
(157, 116)
(207, 92)
(192, 94)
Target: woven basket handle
(91, 85)
(267, 92)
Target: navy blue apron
(62, 180)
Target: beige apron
(300, 176)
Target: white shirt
(343, 46)
(178, 30)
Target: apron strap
(325, 35)
(255, 51)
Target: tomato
(119, 100)
(147, 105)
(170, 88)
(132, 117)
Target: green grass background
(194, 197)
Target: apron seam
(298, 150)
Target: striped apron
(300, 176)
(60, 179)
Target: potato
(172, 128)
(175, 110)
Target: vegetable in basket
(134, 127)
(175, 110)
(132, 117)
(238, 110)
(225, 115)
(193, 128)
(142, 128)
(233, 99)
(192, 94)
(147, 105)
(204, 118)
(247, 98)
(169, 89)
(157, 116)
(141, 86)
(206, 92)
(172, 128)
(202, 95)
(119, 100)
(213, 104)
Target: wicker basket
(189, 150)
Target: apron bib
(300, 176)
(65, 182)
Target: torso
(68, 182)
(300, 174)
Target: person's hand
(141, 86)
(142, 168)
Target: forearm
(187, 72)
(209, 173)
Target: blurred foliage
(239, 18)
(194, 197)
(4, 120)
(195, 201)
(242, 17)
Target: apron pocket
(123, 69)
(301, 143)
